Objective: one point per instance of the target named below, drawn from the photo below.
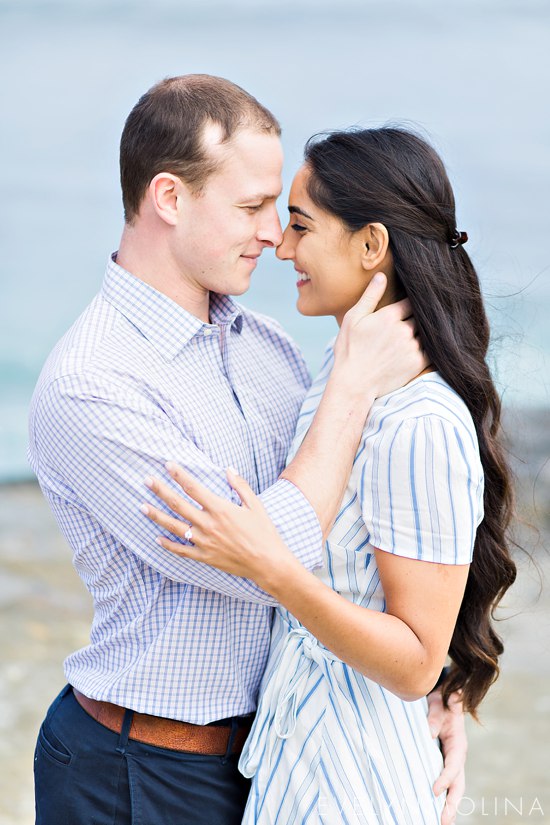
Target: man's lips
(252, 259)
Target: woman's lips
(303, 278)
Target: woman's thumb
(369, 300)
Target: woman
(417, 557)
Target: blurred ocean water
(473, 76)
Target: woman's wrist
(280, 573)
(358, 393)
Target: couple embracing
(279, 568)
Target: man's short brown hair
(164, 131)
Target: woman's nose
(285, 250)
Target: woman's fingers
(187, 551)
(398, 311)
(178, 504)
(194, 489)
(198, 551)
(169, 523)
(246, 493)
(404, 308)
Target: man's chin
(239, 285)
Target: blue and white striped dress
(329, 745)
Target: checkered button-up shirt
(135, 382)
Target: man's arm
(94, 442)
(111, 436)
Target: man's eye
(298, 227)
(254, 207)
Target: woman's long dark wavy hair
(392, 176)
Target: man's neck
(139, 256)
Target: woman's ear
(376, 243)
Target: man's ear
(376, 243)
(163, 193)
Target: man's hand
(448, 724)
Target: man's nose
(271, 231)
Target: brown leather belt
(166, 733)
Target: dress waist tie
(277, 712)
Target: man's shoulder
(93, 345)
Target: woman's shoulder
(428, 403)
(420, 478)
(427, 395)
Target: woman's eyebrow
(295, 210)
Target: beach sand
(45, 614)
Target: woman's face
(327, 256)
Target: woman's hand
(239, 540)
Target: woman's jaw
(321, 293)
(333, 265)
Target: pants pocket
(52, 746)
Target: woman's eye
(298, 227)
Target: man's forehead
(250, 164)
(212, 137)
(246, 139)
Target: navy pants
(87, 775)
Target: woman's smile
(303, 278)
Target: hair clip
(458, 239)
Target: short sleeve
(421, 490)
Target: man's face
(222, 231)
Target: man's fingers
(436, 712)
(448, 816)
(443, 781)
(455, 794)
(453, 771)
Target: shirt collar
(164, 323)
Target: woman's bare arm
(402, 649)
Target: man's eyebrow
(295, 210)
(260, 196)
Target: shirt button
(208, 331)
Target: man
(163, 365)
